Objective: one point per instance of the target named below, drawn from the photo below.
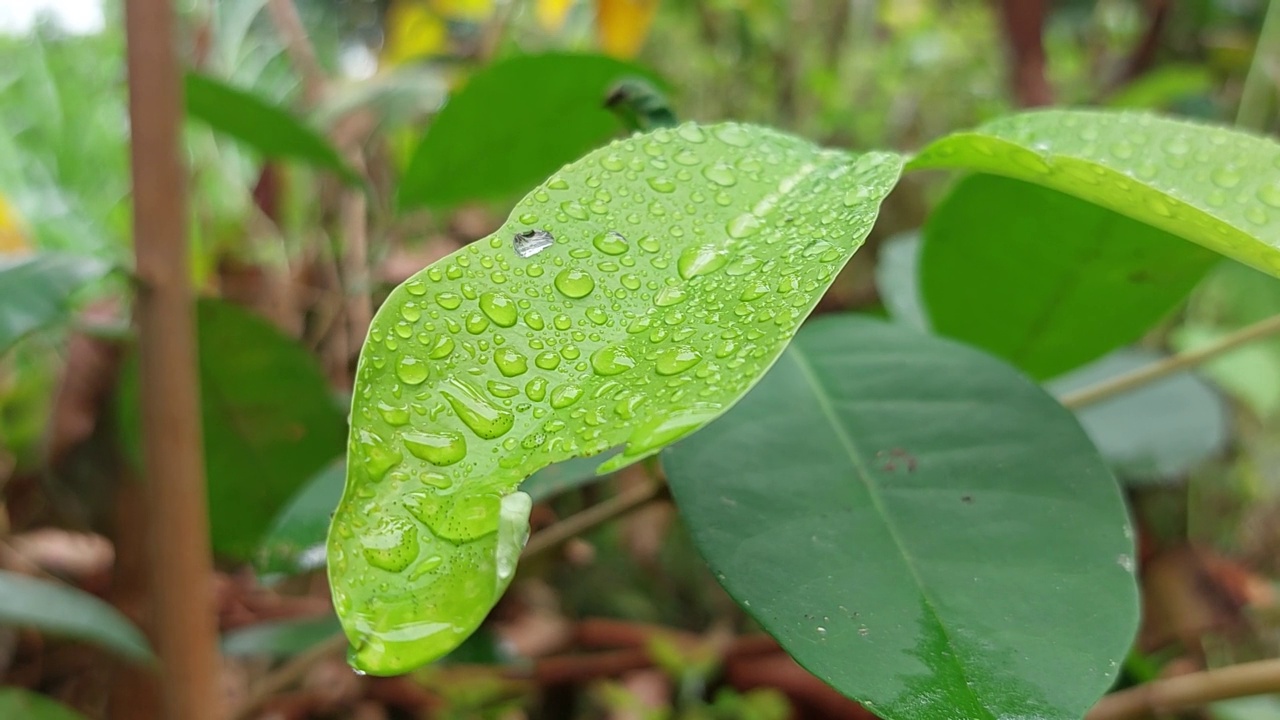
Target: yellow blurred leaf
(552, 13)
(414, 31)
(623, 25)
(465, 10)
(13, 235)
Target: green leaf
(295, 541)
(897, 279)
(1153, 433)
(20, 704)
(283, 638)
(1044, 280)
(269, 425)
(918, 525)
(65, 611)
(36, 291)
(515, 123)
(561, 477)
(632, 298)
(1211, 185)
(269, 129)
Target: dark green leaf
(269, 129)
(918, 525)
(284, 638)
(269, 424)
(1211, 185)
(1045, 280)
(36, 291)
(515, 123)
(19, 704)
(1155, 432)
(561, 477)
(628, 300)
(898, 279)
(65, 611)
(295, 541)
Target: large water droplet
(510, 362)
(670, 295)
(411, 370)
(574, 283)
(562, 396)
(444, 447)
(732, 135)
(574, 209)
(485, 419)
(531, 242)
(612, 360)
(394, 414)
(536, 389)
(662, 184)
(500, 308)
(534, 320)
(720, 174)
(610, 243)
(676, 360)
(743, 226)
(377, 456)
(1270, 194)
(476, 323)
(547, 360)
(701, 260)
(391, 545)
(441, 348)
(448, 300)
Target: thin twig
(593, 517)
(1189, 691)
(1260, 84)
(1170, 365)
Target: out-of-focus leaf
(36, 291)
(13, 235)
(898, 279)
(284, 638)
(20, 704)
(563, 476)
(414, 30)
(269, 423)
(551, 14)
(515, 123)
(623, 25)
(1155, 432)
(1163, 87)
(268, 128)
(1045, 280)
(67, 612)
(395, 98)
(295, 540)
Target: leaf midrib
(860, 467)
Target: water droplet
(754, 291)
(441, 348)
(510, 362)
(418, 288)
(630, 281)
(720, 174)
(610, 243)
(662, 184)
(527, 218)
(743, 226)
(610, 360)
(1122, 150)
(444, 447)
(574, 283)
(701, 260)
(561, 322)
(1225, 177)
(377, 457)
(574, 209)
(743, 265)
(391, 545)
(691, 133)
(547, 360)
(531, 242)
(669, 295)
(597, 316)
(612, 163)
(394, 414)
(411, 370)
(686, 157)
(565, 395)
(485, 419)
(665, 429)
(732, 135)
(536, 389)
(570, 352)
(676, 360)
(648, 243)
(534, 320)
(410, 312)
(502, 390)
(1270, 194)
(448, 300)
(500, 308)
(476, 323)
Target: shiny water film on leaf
(916, 523)
(1215, 186)
(680, 263)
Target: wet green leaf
(1045, 280)
(20, 704)
(269, 424)
(36, 291)
(513, 124)
(67, 612)
(916, 523)
(630, 299)
(1212, 185)
(269, 129)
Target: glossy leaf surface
(916, 523)
(36, 291)
(1047, 281)
(628, 300)
(516, 122)
(1211, 185)
(67, 612)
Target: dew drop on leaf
(531, 242)
(411, 370)
(442, 448)
(574, 283)
(499, 308)
(485, 419)
(610, 243)
(611, 360)
(676, 360)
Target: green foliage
(23, 704)
(268, 422)
(283, 638)
(295, 540)
(632, 298)
(916, 524)
(270, 129)
(1054, 284)
(36, 292)
(494, 138)
(67, 612)
(1211, 185)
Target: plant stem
(1172, 364)
(1188, 691)
(593, 517)
(177, 519)
(1260, 83)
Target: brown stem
(1189, 691)
(284, 15)
(177, 516)
(1024, 34)
(594, 516)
